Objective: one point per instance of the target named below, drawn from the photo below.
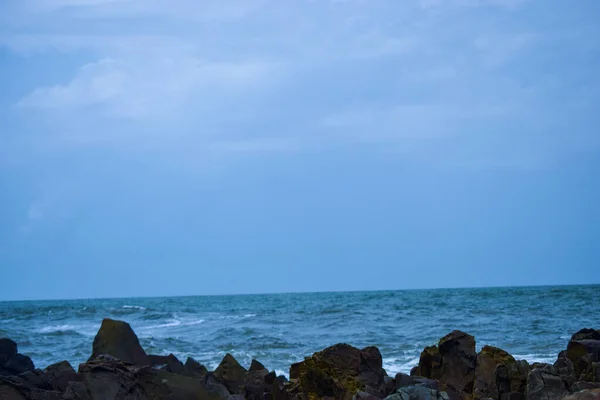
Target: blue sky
(176, 147)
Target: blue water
(531, 323)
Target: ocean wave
(395, 365)
(62, 330)
(173, 323)
(532, 358)
(126, 306)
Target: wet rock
(18, 387)
(116, 338)
(545, 384)
(18, 364)
(584, 350)
(8, 349)
(579, 386)
(159, 384)
(255, 384)
(194, 369)
(59, 375)
(231, 374)
(364, 396)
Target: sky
(199, 147)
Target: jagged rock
(584, 350)
(339, 372)
(364, 396)
(8, 349)
(194, 369)
(564, 367)
(18, 387)
(59, 375)
(158, 384)
(255, 384)
(231, 374)
(545, 384)
(256, 366)
(168, 363)
(452, 363)
(116, 338)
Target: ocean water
(532, 323)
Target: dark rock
(23, 387)
(231, 374)
(402, 379)
(35, 379)
(256, 366)
(512, 396)
(593, 394)
(117, 339)
(487, 380)
(194, 369)
(583, 350)
(452, 363)
(364, 396)
(545, 384)
(255, 384)
(158, 384)
(579, 386)
(168, 363)
(418, 393)
(60, 375)
(339, 372)
(596, 371)
(564, 367)
(18, 364)
(8, 349)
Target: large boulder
(194, 369)
(418, 392)
(59, 375)
(497, 373)
(116, 338)
(545, 384)
(452, 362)
(339, 372)
(231, 374)
(168, 363)
(11, 362)
(584, 350)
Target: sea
(531, 323)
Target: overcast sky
(179, 147)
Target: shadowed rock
(60, 375)
(231, 374)
(584, 350)
(498, 374)
(545, 384)
(116, 338)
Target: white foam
(189, 323)
(57, 328)
(394, 365)
(541, 358)
(136, 307)
(279, 372)
(249, 315)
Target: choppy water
(531, 323)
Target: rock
(339, 372)
(60, 375)
(24, 387)
(256, 366)
(168, 363)
(404, 380)
(116, 338)
(579, 386)
(194, 369)
(545, 384)
(418, 393)
(8, 349)
(452, 363)
(585, 395)
(255, 384)
(18, 364)
(364, 396)
(564, 367)
(584, 350)
(488, 359)
(159, 384)
(231, 374)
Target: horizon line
(298, 292)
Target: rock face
(584, 350)
(59, 375)
(116, 338)
(545, 384)
(498, 374)
(338, 372)
(231, 373)
(452, 362)
(11, 362)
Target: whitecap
(395, 365)
(57, 328)
(172, 323)
(136, 307)
(249, 315)
(190, 323)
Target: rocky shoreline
(119, 368)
